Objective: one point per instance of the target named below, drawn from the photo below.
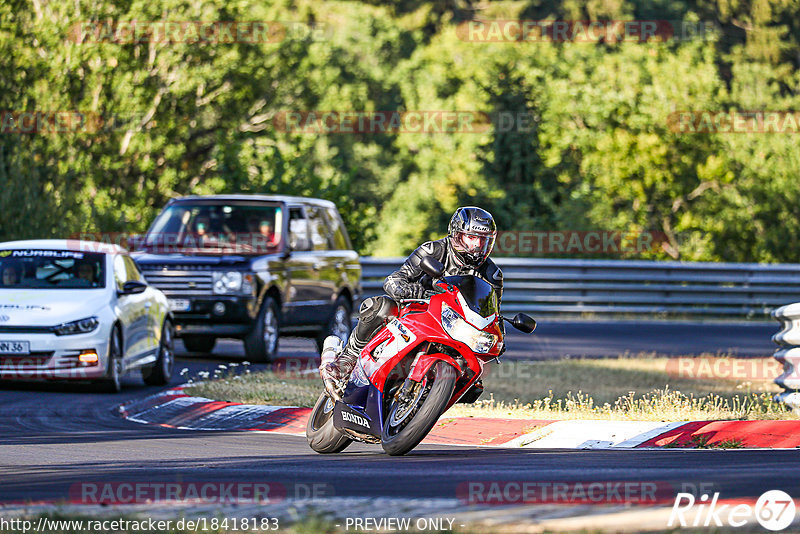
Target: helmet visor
(475, 247)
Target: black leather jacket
(399, 284)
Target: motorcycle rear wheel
(408, 424)
(322, 436)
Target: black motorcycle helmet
(472, 233)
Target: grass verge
(639, 387)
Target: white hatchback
(79, 310)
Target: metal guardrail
(566, 286)
(789, 354)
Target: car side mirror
(524, 323)
(432, 267)
(133, 287)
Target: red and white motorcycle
(417, 366)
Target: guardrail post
(788, 354)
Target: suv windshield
(51, 269)
(209, 228)
(479, 294)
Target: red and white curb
(175, 409)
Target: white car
(80, 310)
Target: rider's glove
(415, 291)
(435, 291)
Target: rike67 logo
(774, 510)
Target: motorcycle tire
(440, 382)
(322, 436)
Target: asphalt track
(55, 436)
(601, 339)
(555, 339)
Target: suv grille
(180, 280)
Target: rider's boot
(336, 373)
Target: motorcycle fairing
(364, 408)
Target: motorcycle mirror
(524, 323)
(432, 267)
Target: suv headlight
(230, 282)
(82, 326)
(460, 330)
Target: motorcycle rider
(465, 251)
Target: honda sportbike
(414, 368)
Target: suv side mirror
(432, 267)
(524, 323)
(133, 287)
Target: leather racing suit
(408, 282)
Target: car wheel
(201, 344)
(112, 383)
(338, 325)
(160, 373)
(261, 344)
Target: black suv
(252, 267)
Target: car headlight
(230, 282)
(83, 326)
(460, 330)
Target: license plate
(180, 304)
(15, 347)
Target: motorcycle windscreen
(479, 294)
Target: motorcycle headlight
(460, 330)
(82, 326)
(230, 282)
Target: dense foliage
(190, 117)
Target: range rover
(254, 268)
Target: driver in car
(85, 271)
(10, 275)
(465, 251)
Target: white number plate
(15, 347)
(180, 304)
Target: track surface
(53, 436)
(554, 339)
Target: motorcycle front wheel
(410, 419)
(322, 436)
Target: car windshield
(208, 228)
(479, 294)
(51, 269)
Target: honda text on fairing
(414, 368)
(78, 310)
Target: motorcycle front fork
(404, 395)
